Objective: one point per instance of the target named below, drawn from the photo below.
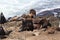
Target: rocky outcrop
(2, 19)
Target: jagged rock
(2, 32)
(2, 19)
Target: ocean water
(12, 8)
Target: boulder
(51, 30)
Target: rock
(15, 18)
(36, 33)
(51, 30)
(58, 29)
(2, 18)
